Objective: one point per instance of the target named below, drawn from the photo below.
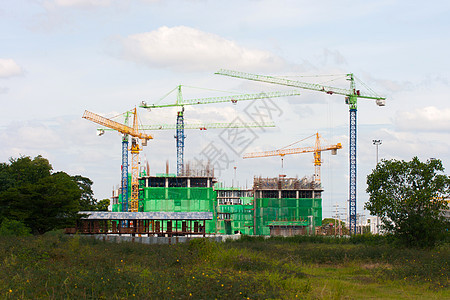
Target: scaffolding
(273, 206)
(260, 183)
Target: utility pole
(377, 143)
(335, 217)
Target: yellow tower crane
(135, 148)
(317, 150)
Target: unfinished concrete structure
(273, 206)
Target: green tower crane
(351, 99)
(180, 126)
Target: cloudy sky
(61, 57)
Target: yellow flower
(10, 291)
(190, 294)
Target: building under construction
(273, 206)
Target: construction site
(194, 202)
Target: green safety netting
(239, 218)
(286, 210)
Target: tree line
(34, 199)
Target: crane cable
(296, 142)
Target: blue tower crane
(352, 96)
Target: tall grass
(56, 266)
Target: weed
(57, 266)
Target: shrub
(13, 228)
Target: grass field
(54, 266)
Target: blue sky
(60, 57)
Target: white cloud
(9, 68)
(82, 3)
(189, 49)
(429, 118)
(332, 57)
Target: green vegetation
(13, 228)
(56, 266)
(409, 198)
(39, 200)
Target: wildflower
(190, 294)
(10, 290)
(193, 277)
(222, 284)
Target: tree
(409, 198)
(23, 170)
(13, 228)
(30, 193)
(102, 205)
(87, 200)
(51, 202)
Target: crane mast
(124, 169)
(352, 96)
(136, 135)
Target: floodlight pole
(377, 143)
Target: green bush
(13, 228)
